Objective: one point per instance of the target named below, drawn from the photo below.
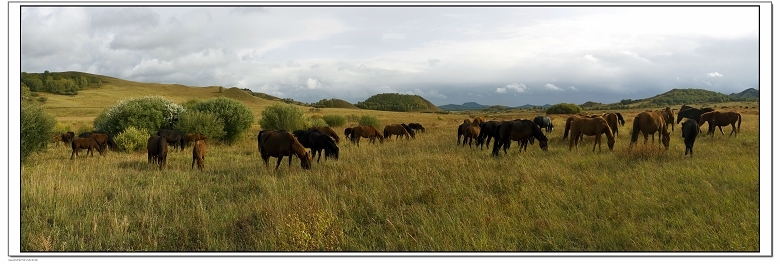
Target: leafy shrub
(564, 108)
(335, 120)
(440, 118)
(84, 127)
(283, 116)
(353, 117)
(201, 122)
(132, 139)
(317, 122)
(235, 116)
(150, 113)
(36, 128)
(369, 120)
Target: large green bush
(204, 123)
(132, 139)
(369, 120)
(235, 116)
(283, 117)
(335, 120)
(150, 113)
(564, 108)
(36, 129)
(317, 122)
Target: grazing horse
(103, 140)
(84, 143)
(668, 115)
(720, 119)
(544, 122)
(198, 153)
(408, 129)
(478, 120)
(517, 130)
(692, 113)
(317, 141)
(173, 137)
(486, 132)
(395, 129)
(348, 133)
(612, 120)
(472, 132)
(193, 137)
(276, 144)
(649, 123)
(567, 127)
(157, 150)
(690, 129)
(591, 127)
(417, 127)
(67, 138)
(327, 131)
(462, 130)
(367, 132)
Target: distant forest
(67, 83)
(394, 102)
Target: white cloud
(591, 58)
(500, 90)
(313, 83)
(572, 87)
(550, 86)
(714, 74)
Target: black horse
(544, 122)
(408, 129)
(486, 132)
(690, 129)
(174, 137)
(317, 142)
(417, 127)
(692, 113)
(517, 130)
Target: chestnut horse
(193, 137)
(84, 143)
(472, 132)
(649, 123)
(591, 127)
(369, 132)
(720, 119)
(395, 129)
(198, 153)
(281, 144)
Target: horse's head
(665, 138)
(610, 142)
(306, 161)
(543, 144)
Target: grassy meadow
(424, 194)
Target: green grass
(425, 194)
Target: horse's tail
(566, 129)
(635, 131)
(739, 121)
(620, 118)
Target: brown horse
(649, 123)
(84, 143)
(720, 119)
(612, 120)
(567, 127)
(395, 129)
(327, 131)
(591, 127)
(277, 144)
(367, 132)
(478, 120)
(157, 150)
(472, 133)
(348, 133)
(102, 139)
(198, 153)
(515, 131)
(193, 137)
(668, 115)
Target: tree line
(66, 83)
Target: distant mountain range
(476, 106)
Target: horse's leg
(279, 161)
(597, 142)
(721, 130)
(733, 130)
(72, 154)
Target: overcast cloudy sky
(490, 55)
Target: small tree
(204, 123)
(335, 120)
(235, 116)
(283, 117)
(132, 139)
(564, 108)
(369, 120)
(149, 113)
(36, 128)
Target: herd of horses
(647, 123)
(480, 131)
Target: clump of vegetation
(68, 83)
(150, 113)
(283, 117)
(396, 102)
(369, 120)
(234, 115)
(318, 122)
(192, 122)
(335, 120)
(564, 108)
(335, 103)
(132, 139)
(36, 129)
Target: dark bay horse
(692, 113)
(397, 130)
(544, 122)
(327, 131)
(417, 127)
(157, 150)
(317, 141)
(408, 129)
(690, 129)
(78, 144)
(276, 144)
(720, 119)
(516, 131)
(668, 115)
(648, 123)
(198, 154)
(193, 137)
(591, 127)
(174, 137)
(369, 132)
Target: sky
(508, 56)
